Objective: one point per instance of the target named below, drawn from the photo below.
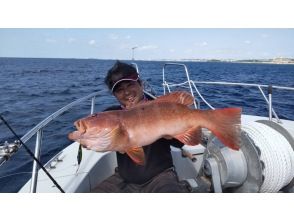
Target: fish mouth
(80, 125)
(75, 135)
(97, 141)
(81, 130)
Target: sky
(150, 43)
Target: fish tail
(225, 124)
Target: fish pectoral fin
(119, 135)
(137, 155)
(191, 136)
(180, 97)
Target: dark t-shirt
(157, 159)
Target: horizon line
(163, 59)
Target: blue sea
(33, 88)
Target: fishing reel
(7, 150)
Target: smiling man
(157, 174)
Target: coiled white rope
(276, 153)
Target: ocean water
(31, 89)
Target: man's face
(129, 93)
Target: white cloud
(247, 42)
(71, 40)
(264, 36)
(50, 40)
(92, 42)
(128, 37)
(204, 44)
(171, 50)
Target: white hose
(276, 153)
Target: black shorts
(165, 182)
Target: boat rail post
(191, 90)
(35, 165)
(270, 91)
(93, 105)
(267, 101)
(163, 79)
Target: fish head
(96, 131)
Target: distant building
(281, 60)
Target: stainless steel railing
(38, 129)
(189, 84)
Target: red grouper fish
(168, 116)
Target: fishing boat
(264, 163)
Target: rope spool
(277, 155)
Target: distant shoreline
(253, 62)
(249, 61)
(279, 61)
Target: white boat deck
(64, 171)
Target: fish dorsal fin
(137, 155)
(180, 97)
(190, 137)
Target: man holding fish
(141, 131)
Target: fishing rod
(31, 154)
